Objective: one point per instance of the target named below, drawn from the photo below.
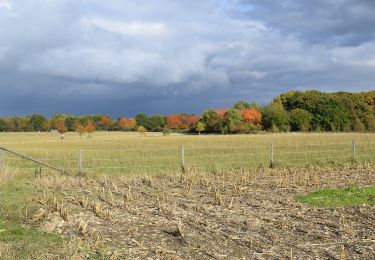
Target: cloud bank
(124, 57)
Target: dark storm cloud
(340, 22)
(123, 57)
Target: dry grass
(203, 215)
(118, 153)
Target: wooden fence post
(353, 150)
(182, 158)
(80, 163)
(271, 156)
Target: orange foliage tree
(105, 121)
(251, 116)
(127, 124)
(60, 126)
(90, 128)
(80, 129)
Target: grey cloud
(343, 22)
(122, 57)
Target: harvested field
(213, 215)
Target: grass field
(303, 208)
(117, 152)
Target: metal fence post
(271, 156)
(353, 150)
(80, 163)
(182, 158)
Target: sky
(122, 57)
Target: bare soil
(224, 215)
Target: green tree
(232, 121)
(241, 105)
(300, 120)
(370, 122)
(275, 117)
(200, 127)
(70, 122)
(142, 120)
(210, 120)
(3, 125)
(36, 122)
(156, 123)
(328, 113)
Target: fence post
(271, 156)
(80, 163)
(2, 161)
(353, 150)
(182, 158)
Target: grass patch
(343, 197)
(17, 240)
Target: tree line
(291, 111)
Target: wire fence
(184, 158)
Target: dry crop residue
(228, 215)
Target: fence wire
(204, 158)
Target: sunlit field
(121, 152)
(316, 201)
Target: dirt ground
(230, 215)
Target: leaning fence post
(182, 158)
(353, 150)
(271, 156)
(80, 163)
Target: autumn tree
(122, 123)
(251, 116)
(174, 122)
(131, 124)
(80, 129)
(127, 124)
(90, 128)
(60, 126)
(105, 122)
(189, 121)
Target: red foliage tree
(174, 122)
(189, 121)
(221, 112)
(251, 116)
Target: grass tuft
(343, 197)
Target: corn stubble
(221, 214)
